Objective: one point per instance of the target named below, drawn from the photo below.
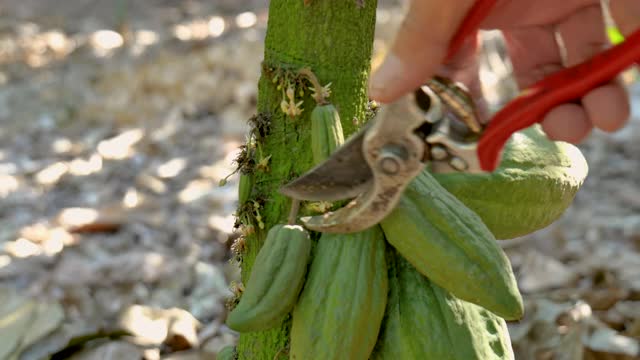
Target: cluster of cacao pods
(279, 269)
(428, 282)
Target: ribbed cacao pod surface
(449, 244)
(275, 281)
(342, 304)
(326, 132)
(536, 182)
(424, 321)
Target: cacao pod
(450, 245)
(423, 321)
(326, 132)
(535, 183)
(340, 310)
(275, 281)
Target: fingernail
(382, 83)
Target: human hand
(533, 31)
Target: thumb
(419, 49)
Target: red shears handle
(470, 24)
(564, 86)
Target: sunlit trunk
(334, 39)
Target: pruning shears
(440, 127)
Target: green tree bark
(334, 39)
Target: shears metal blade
(377, 163)
(346, 174)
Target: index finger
(420, 47)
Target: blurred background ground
(117, 121)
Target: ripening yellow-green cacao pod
(535, 183)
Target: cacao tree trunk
(334, 39)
